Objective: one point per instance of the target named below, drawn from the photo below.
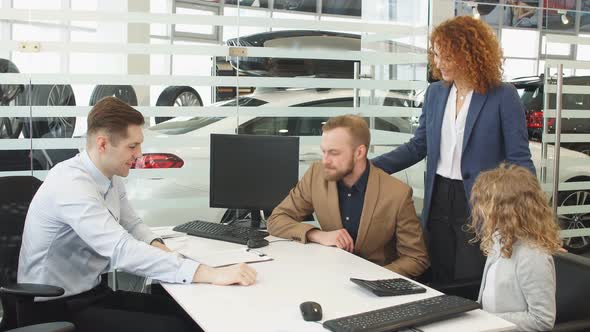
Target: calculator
(390, 287)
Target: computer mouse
(256, 243)
(311, 311)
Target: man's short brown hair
(357, 127)
(113, 116)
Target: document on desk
(225, 257)
(166, 232)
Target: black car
(297, 39)
(531, 91)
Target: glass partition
(197, 67)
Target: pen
(260, 254)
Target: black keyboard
(390, 287)
(216, 231)
(404, 315)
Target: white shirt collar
(103, 182)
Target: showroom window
(174, 62)
(277, 67)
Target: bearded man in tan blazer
(360, 208)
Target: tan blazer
(389, 232)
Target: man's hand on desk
(241, 274)
(339, 238)
(162, 246)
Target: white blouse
(488, 298)
(451, 138)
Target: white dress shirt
(80, 225)
(451, 137)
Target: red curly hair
(472, 46)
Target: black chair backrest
(573, 287)
(16, 193)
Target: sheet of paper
(166, 232)
(225, 257)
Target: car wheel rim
(122, 94)
(7, 127)
(576, 220)
(293, 4)
(60, 127)
(9, 93)
(187, 99)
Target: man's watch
(159, 239)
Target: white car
(169, 198)
(174, 199)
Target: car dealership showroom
(422, 165)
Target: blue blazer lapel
(476, 105)
(441, 105)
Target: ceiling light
(475, 12)
(564, 19)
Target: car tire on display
(180, 96)
(48, 95)
(578, 220)
(293, 4)
(124, 92)
(9, 127)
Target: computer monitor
(252, 172)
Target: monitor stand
(253, 222)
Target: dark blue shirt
(351, 202)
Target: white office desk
(300, 273)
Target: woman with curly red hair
(519, 234)
(470, 122)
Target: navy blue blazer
(495, 131)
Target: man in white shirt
(81, 225)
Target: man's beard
(340, 174)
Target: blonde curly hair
(508, 203)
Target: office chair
(468, 289)
(573, 292)
(17, 299)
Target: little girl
(519, 235)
